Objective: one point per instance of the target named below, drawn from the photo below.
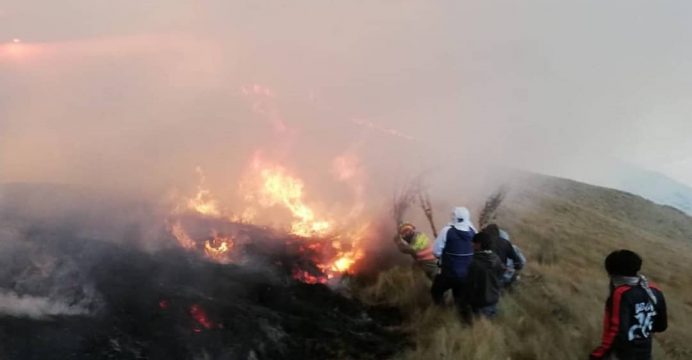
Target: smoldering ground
(69, 292)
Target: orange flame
(346, 255)
(333, 247)
(277, 187)
(343, 263)
(177, 230)
(203, 202)
(219, 247)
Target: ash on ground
(67, 295)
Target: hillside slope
(566, 229)
(657, 187)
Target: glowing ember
(16, 41)
(306, 277)
(200, 317)
(164, 304)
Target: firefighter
(418, 245)
(454, 248)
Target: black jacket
(504, 250)
(631, 318)
(485, 273)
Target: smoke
(36, 307)
(133, 98)
(39, 281)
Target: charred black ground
(174, 304)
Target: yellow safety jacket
(422, 245)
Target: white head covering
(461, 219)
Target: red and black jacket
(631, 317)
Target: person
(634, 310)
(502, 247)
(454, 249)
(418, 245)
(485, 275)
(512, 268)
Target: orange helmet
(406, 228)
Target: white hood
(461, 219)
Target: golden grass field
(565, 229)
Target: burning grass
(329, 249)
(177, 303)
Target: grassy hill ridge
(566, 229)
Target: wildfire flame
(343, 263)
(331, 248)
(308, 278)
(277, 187)
(203, 202)
(181, 235)
(219, 247)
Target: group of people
(477, 265)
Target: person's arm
(512, 254)
(440, 242)
(661, 318)
(403, 246)
(520, 254)
(406, 249)
(613, 321)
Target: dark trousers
(459, 289)
(488, 311)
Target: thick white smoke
(36, 307)
(137, 96)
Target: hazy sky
(137, 94)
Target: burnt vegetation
(176, 304)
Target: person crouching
(417, 244)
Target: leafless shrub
(488, 213)
(403, 199)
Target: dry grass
(566, 229)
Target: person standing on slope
(634, 310)
(454, 249)
(418, 245)
(485, 276)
